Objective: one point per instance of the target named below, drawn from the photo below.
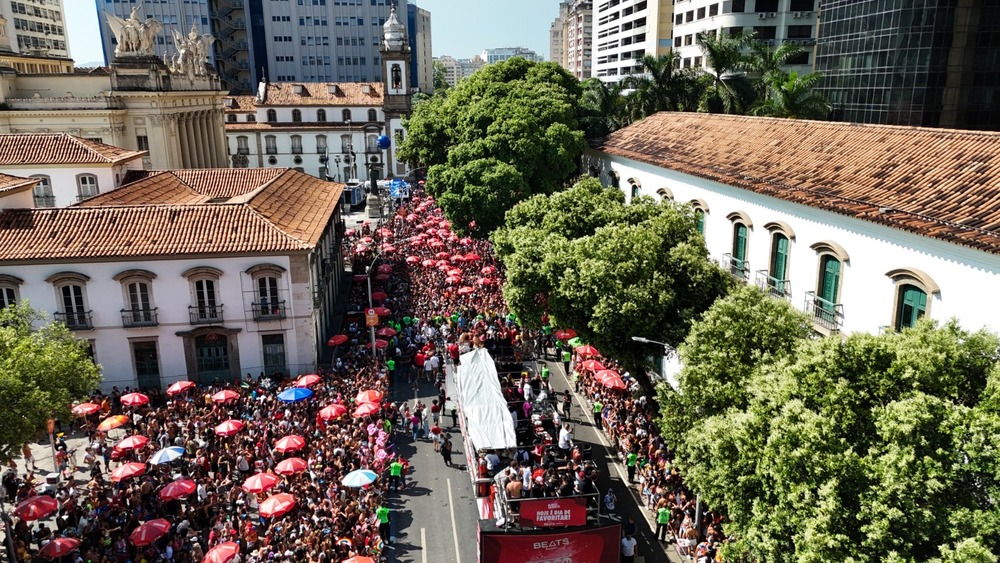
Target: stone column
(213, 141)
(191, 142)
(199, 132)
(218, 126)
(182, 139)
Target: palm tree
(657, 88)
(792, 96)
(727, 89)
(762, 63)
(602, 108)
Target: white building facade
(859, 242)
(627, 30)
(457, 69)
(37, 27)
(499, 54)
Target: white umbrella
(359, 478)
(166, 455)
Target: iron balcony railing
(268, 311)
(740, 269)
(825, 313)
(780, 289)
(81, 320)
(45, 201)
(205, 314)
(138, 318)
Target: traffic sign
(371, 319)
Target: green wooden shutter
(701, 220)
(911, 307)
(779, 257)
(830, 281)
(740, 242)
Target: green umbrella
(575, 341)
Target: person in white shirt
(565, 438)
(628, 548)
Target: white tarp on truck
(488, 422)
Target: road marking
(423, 544)
(454, 527)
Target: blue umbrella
(359, 478)
(295, 394)
(166, 455)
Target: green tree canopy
(42, 371)
(609, 270)
(791, 95)
(864, 448)
(506, 133)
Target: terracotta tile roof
(10, 184)
(59, 148)
(939, 183)
(313, 94)
(288, 211)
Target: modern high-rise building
(457, 69)
(503, 53)
(773, 22)
(626, 31)
(577, 38)
(418, 25)
(889, 62)
(36, 27)
(557, 37)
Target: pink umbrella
(379, 295)
(149, 532)
(465, 241)
(290, 466)
(222, 553)
(386, 332)
(365, 409)
(350, 232)
(428, 263)
(367, 240)
(436, 244)
(59, 547)
(442, 255)
(332, 412)
(229, 427)
(458, 258)
(290, 443)
(453, 280)
(84, 409)
(382, 311)
(454, 272)
(134, 399)
(472, 257)
(369, 396)
(466, 290)
(412, 259)
(586, 351)
(36, 507)
(127, 471)
(388, 248)
(225, 396)
(178, 489)
(260, 483)
(384, 232)
(486, 281)
(444, 264)
(179, 387)
(276, 505)
(308, 380)
(592, 365)
(132, 443)
(385, 269)
(487, 270)
(379, 343)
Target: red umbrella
(382, 311)
(149, 532)
(179, 387)
(466, 290)
(382, 277)
(486, 281)
(412, 259)
(604, 373)
(444, 264)
(84, 409)
(487, 270)
(225, 396)
(565, 334)
(276, 505)
(59, 547)
(337, 340)
(359, 559)
(458, 258)
(290, 466)
(612, 382)
(387, 332)
(332, 412)
(260, 483)
(388, 248)
(385, 269)
(229, 427)
(222, 553)
(472, 257)
(127, 471)
(290, 443)
(178, 489)
(379, 343)
(453, 280)
(592, 365)
(134, 399)
(465, 241)
(586, 351)
(350, 232)
(384, 232)
(132, 443)
(367, 240)
(379, 295)
(112, 422)
(369, 396)
(442, 255)
(36, 507)
(428, 263)
(308, 380)
(365, 409)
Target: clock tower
(395, 50)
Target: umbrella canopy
(222, 553)
(295, 394)
(84, 409)
(112, 422)
(127, 471)
(412, 259)
(365, 409)
(290, 443)
(337, 340)
(179, 387)
(586, 351)
(442, 255)
(385, 269)
(132, 443)
(260, 483)
(149, 532)
(610, 379)
(382, 277)
(575, 341)
(290, 466)
(379, 295)
(565, 334)
(332, 412)
(454, 272)
(382, 311)
(379, 343)
(359, 478)
(487, 270)
(388, 248)
(229, 427)
(166, 455)
(592, 365)
(59, 547)
(384, 232)
(369, 396)
(367, 240)
(178, 489)
(472, 257)
(466, 290)
(428, 263)
(350, 232)
(276, 505)
(386, 332)
(134, 399)
(225, 396)
(308, 380)
(453, 280)
(36, 507)
(465, 241)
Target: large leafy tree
(607, 269)
(42, 370)
(512, 126)
(865, 448)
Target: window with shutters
(71, 297)
(914, 291)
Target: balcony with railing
(268, 311)
(779, 289)
(825, 314)
(271, 150)
(139, 318)
(81, 320)
(296, 149)
(740, 269)
(205, 314)
(45, 201)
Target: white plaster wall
(258, 157)
(63, 178)
(359, 114)
(171, 295)
(964, 275)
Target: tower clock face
(395, 72)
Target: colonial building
(200, 274)
(68, 169)
(864, 227)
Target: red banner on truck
(594, 545)
(553, 512)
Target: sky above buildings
(460, 28)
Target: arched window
(824, 303)
(10, 287)
(371, 143)
(700, 211)
(345, 144)
(636, 188)
(912, 290)
(242, 144)
(86, 186)
(665, 194)
(296, 144)
(137, 290)
(737, 260)
(71, 296)
(372, 115)
(775, 279)
(251, 118)
(296, 116)
(320, 144)
(345, 116)
(269, 303)
(205, 307)
(231, 118)
(270, 144)
(321, 115)
(43, 192)
(272, 116)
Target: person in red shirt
(453, 352)
(418, 361)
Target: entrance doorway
(212, 358)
